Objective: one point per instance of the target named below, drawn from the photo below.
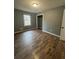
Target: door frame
(37, 20)
(63, 23)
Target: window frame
(24, 19)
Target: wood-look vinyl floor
(36, 44)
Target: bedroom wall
(19, 21)
(52, 20)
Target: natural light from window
(27, 20)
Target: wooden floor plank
(36, 44)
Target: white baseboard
(51, 33)
(18, 32)
(24, 30)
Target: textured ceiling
(26, 5)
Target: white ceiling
(26, 5)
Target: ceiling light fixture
(35, 4)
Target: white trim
(24, 30)
(51, 33)
(17, 32)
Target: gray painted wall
(52, 20)
(19, 21)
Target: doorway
(39, 21)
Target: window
(27, 20)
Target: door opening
(39, 21)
